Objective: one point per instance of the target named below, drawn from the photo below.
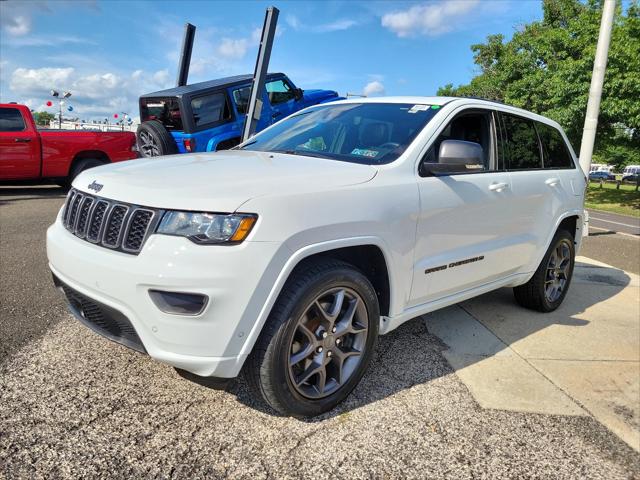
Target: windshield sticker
(364, 152)
(418, 108)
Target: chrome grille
(107, 223)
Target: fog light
(178, 303)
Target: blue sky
(109, 52)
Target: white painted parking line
(616, 223)
(617, 233)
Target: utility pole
(595, 90)
(254, 107)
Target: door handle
(552, 182)
(22, 140)
(498, 187)
(276, 114)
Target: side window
(209, 109)
(279, 91)
(470, 127)
(11, 120)
(241, 97)
(522, 149)
(556, 153)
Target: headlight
(207, 228)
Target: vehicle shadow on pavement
(13, 193)
(413, 355)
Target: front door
(282, 98)
(465, 237)
(19, 147)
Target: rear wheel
(154, 139)
(318, 340)
(79, 167)
(549, 285)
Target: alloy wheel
(557, 271)
(328, 343)
(148, 146)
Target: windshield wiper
(245, 145)
(302, 153)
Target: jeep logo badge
(95, 186)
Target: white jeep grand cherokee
(287, 256)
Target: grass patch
(609, 199)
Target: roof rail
(483, 99)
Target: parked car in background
(287, 256)
(601, 175)
(27, 153)
(208, 116)
(600, 167)
(631, 170)
(630, 177)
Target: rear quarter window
(555, 150)
(11, 120)
(209, 109)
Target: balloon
(70, 108)
(49, 103)
(115, 115)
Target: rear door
(19, 146)
(465, 236)
(541, 194)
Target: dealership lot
(73, 404)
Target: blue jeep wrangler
(209, 116)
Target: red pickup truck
(30, 154)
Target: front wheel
(318, 340)
(549, 285)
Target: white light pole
(56, 94)
(597, 80)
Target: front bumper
(236, 279)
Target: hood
(217, 181)
(317, 96)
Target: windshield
(370, 133)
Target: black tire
(153, 140)
(267, 369)
(533, 294)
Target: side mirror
(456, 156)
(298, 93)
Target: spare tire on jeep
(154, 140)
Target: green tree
(546, 68)
(43, 118)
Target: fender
(213, 142)
(533, 266)
(291, 263)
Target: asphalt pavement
(74, 405)
(614, 222)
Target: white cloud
(17, 24)
(373, 88)
(431, 19)
(46, 40)
(93, 94)
(343, 24)
(233, 48)
(337, 25)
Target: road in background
(613, 239)
(614, 222)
